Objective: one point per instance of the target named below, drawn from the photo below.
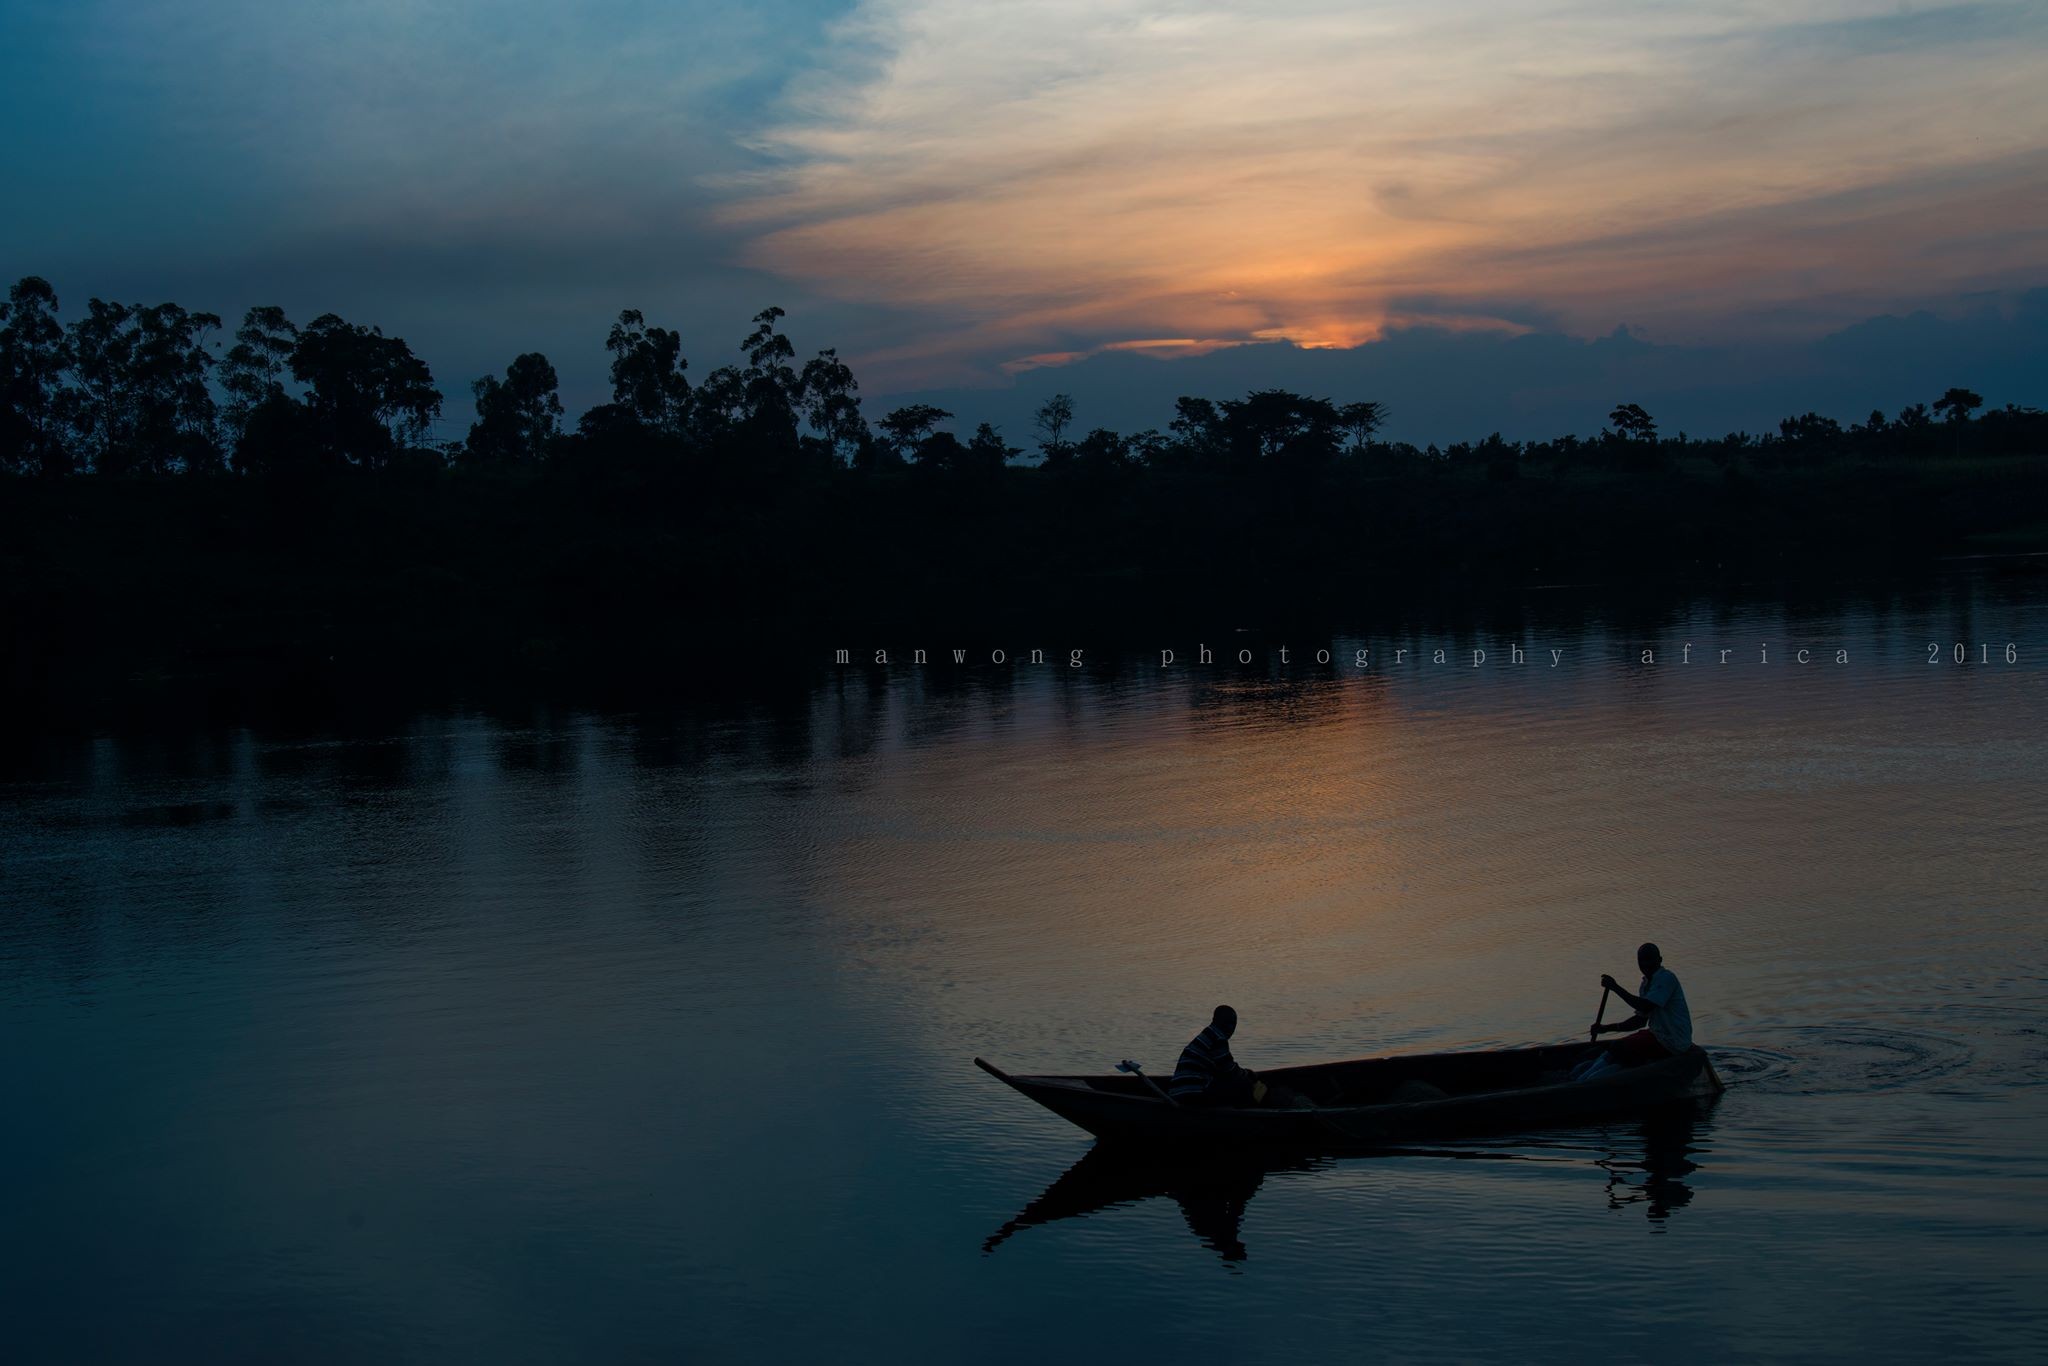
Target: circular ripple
(1752, 1066)
(1848, 1060)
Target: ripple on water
(1852, 1059)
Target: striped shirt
(1204, 1062)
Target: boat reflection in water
(1212, 1192)
(1646, 1163)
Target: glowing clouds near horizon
(1047, 179)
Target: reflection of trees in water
(1648, 1165)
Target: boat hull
(1373, 1102)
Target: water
(617, 1037)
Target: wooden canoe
(1375, 1101)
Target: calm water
(616, 1038)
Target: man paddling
(1662, 1021)
(1207, 1074)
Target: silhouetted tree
(1273, 426)
(1198, 438)
(874, 452)
(772, 400)
(719, 405)
(1633, 423)
(942, 453)
(102, 352)
(987, 452)
(831, 400)
(176, 421)
(1102, 451)
(1810, 429)
(279, 438)
(1957, 404)
(367, 395)
(1362, 421)
(33, 358)
(906, 429)
(518, 417)
(771, 378)
(647, 373)
(253, 371)
(142, 404)
(1053, 417)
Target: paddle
(1128, 1066)
(1598, 1016)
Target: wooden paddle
(1128, 1066)
(1598, 1016)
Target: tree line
(182, 506)
(150, 390)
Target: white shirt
(1671, 1022)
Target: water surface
(647, 1036)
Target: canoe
(1375, 1101)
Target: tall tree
(518, 417)
(831, 400)
(647, 373)
(1362, 421)
(769, 356)
(253, 371)
(33, 357)
(1958, 404)
(772, 393)
(1054, 416)
(175, 422)
(367, 394)
(102, 351)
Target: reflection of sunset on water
(687, 1002)
(1344, 857)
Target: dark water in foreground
(622, 1038)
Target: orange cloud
(1050, 178)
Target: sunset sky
(1017, 196)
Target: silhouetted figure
(1670, 1137)
(1662, 1020)
(1207, 1074)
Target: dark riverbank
(640, 576)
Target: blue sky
(981, 202)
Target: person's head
(1225, 1020)
(1649, 959)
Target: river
(647, 1035)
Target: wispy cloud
(1046, 178)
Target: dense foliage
(168, 505)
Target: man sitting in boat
(1207, 1074)
(1662, 1022)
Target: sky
(1486, 215)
